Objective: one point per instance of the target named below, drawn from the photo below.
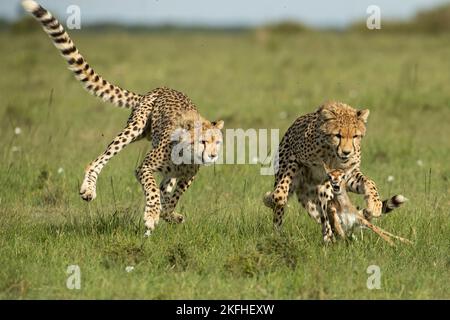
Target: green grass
(226, 248)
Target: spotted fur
(157, 116)
(330, 135)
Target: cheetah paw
(373, 210)
(267, 200)
(151, 223)
(175, 218)
(87, 192)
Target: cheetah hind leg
(167, 186)
(284, 183)
(170, 200)
(322, 204)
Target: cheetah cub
(160, 116)
(344, 216)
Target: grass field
(226, 248)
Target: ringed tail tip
(30, 5)
(401, 198)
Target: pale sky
(317, 13)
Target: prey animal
(344, 216)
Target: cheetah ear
(190, 124)
(187, 125)
(363, 115)
(326, 114)
(218, 124)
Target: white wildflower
(419, 163)
(390, 178)
(129, 268)
(17, 131)
(147, 233)
(60, 170)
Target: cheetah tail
(90, 80)
(393, 203)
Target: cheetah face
(345, 141)
(344, 129)
(209, 142)
(197, 142)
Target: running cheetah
(332, 135)
(157, 116)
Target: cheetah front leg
(360, 184)
(169, 199)
(132, 132)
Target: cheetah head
(343, 128)
(209, 142)
(200, 141)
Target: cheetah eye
(218, 142)
(355, 136)
(338, 136)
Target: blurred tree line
(436, 20)
(432, 21)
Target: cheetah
(344, 216)
(157, 116)
(332, 134)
